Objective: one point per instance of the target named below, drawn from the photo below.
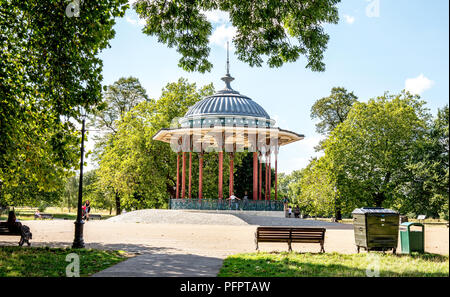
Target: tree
(70, 194)
(289, 185)
(318, 195)
(332, 110)
(370, 150)
(49, 67)
(280, 30)
(119, 98)
(427, 191)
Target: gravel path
(162, 216)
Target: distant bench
(290, 235)
(44, 216)
(95, 217)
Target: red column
(276, 174)
(178, 177)
(220, 175)
(267, 179)
(255, 176)
(183, 176)
(231, 185)
(200, 176)
(270, 176)
(190, 175)
(260, 179)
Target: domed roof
(227, 102)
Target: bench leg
(290, 246)
(322, 249)
(21, 241)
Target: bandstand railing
(216, 204)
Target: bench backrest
(5, 230)
(290, 233)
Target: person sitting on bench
(37, 214)
(14, 225)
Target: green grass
(23, 216)
(333, 265)
(45, 262)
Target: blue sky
(378, 46)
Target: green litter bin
(412, 241)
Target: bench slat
(290, 235)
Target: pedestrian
(297, 211)
(245, 201)
(233, 199)
(290, 211)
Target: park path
(156, 264)
(188, 249)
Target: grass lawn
(24, 216)
(41, 261)
(333, 265)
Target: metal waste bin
(375, 228)
(412, 241)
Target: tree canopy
(370, 150)
(280, 30)
(332, 110)
(49, 68)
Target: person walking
(245, 201)
(87, 206)
(233, 199)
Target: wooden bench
(5, 230)
(95, 217)
(44, 216)
(290, 235)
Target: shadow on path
(170, 265)
(149, 261)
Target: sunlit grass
(334, 265)
(43, 261)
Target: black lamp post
(78, 242)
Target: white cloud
(418, 84)
(217, 16)
(222, 34)
(139, 22)
(349, 19)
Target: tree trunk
(118, 209)
(338, 214)
(379, 199)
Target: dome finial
(228, 78)
(228, 59)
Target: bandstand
(227, 122)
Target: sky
(377, 46)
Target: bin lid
(374, 210)
(411, 224)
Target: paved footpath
(156, 264)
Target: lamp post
(78, 242)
